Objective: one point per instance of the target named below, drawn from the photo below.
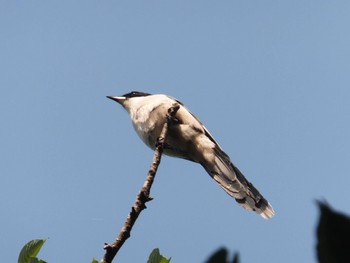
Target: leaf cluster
(333, 243)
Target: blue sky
(270, 80)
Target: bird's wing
(219, 166)
(231, 179)
(236, 185)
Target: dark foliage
(221, 256)
(333, 233)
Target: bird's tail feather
(236, 185)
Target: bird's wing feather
(230, 178)
(219, 166)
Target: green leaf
(164, 260)
(94, 260)
(36, 260)
(30, 250)
(156, 257)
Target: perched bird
(188, 139)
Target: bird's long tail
(222, 170)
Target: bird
(189, 139)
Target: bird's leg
(170, 120)
(172, 112)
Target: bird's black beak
(120, 100)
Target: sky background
(269, 79)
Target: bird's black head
(135, 94)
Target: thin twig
(144, 195)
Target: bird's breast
(148, 131)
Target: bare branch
(144, 195)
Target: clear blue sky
(270, 80)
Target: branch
(144, 195)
